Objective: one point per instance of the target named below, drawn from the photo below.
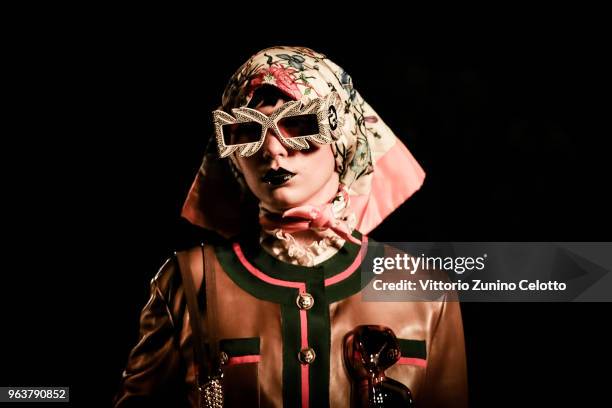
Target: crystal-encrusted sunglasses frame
(330, 118)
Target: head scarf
(375, 167)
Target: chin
(284, 198)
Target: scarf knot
(305, 217)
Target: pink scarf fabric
(378, 171)
(306, 217)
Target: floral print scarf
(377, 170)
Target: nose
(272, 146)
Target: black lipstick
(277, 177)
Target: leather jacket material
(280, 330)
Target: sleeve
(153, 371)
(446, 376)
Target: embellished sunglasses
(295, 124)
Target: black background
(111, 113)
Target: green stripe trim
(292, 376)
(240, 347)
(413, 348)
(319, 338)
(275, 268)
(278, 269)
(319, 333)
(358, 279)
(248, 282)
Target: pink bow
(307, 217)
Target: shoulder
(191, 239)
(167, 291)
(167, 279)
(167, 282)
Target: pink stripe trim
(305, 386)
(302, 288)
(349, 271)
(259, 274)
(305, 367)
(303, 316)
(253, 358)
(413, 361)
(304, 328)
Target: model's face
(282, 178)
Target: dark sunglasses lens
(300, 125)
(239, 133)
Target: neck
(309, 233)
(324, 196)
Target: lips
(277, 177)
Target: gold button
(223, 358)
(307, 356)
(305, 301)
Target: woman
(278, 299)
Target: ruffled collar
(333, 222)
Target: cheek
(320, 160)
(247, 168)
(318, 165)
